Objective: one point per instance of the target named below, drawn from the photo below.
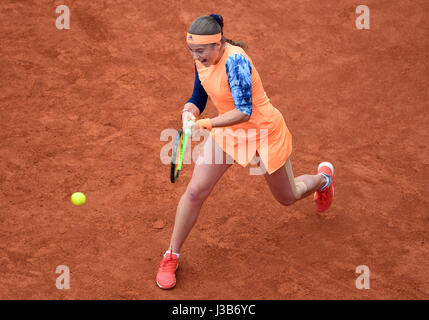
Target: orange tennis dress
(265, 132)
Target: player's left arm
(239, 72)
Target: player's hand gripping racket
(178, 152)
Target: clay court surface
(83, 110)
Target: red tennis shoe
(166, 276)
(324, 196)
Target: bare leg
(312, 182)
(287, 189)
(205, 176)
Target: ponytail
(241, 44)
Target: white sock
(168, 251)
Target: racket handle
(188, 130)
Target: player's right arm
(196, 104)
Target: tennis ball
(78, 198)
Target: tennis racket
(178, 152)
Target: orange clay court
(83, 110)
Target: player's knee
(196, 193)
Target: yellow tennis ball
(78, 198)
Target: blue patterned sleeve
(199, 95)
(239, 72)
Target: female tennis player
(226, 73)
